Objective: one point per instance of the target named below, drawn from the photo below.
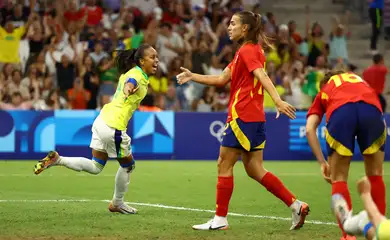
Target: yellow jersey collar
(142, 71)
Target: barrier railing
(160, 135)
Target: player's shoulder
(251, 48)
(132, 73)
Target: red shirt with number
(342, 89)
(246, 92)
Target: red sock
(342, 188)
(224, 193)
(378, 192)
(273, 184)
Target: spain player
(245, 129)
(109, 138)
(378, 229)
(353, 111)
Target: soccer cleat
(299, 215)
(51, 158)
(122, 208)
(213, 224)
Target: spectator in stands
(17, 100)
(169, 43)
(171, 101)
(292, 29)
(78, 96)
(6, 74)
(94, 13)
(10, 41)
(51, 102)
(338, 51)
(98, 54)
(375, 12)
(16, 86)
(108, 74)
(386, 19)
(375, 76)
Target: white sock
(122, 180)
(81, 164)
(295, 206)
(355, 224)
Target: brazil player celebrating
(377, 229)
(245, 129)
(353, 112)
(109, 138)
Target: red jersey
(375, 76)
(340, 90)
(246, 92)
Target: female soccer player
(378, 228)
(245, 128)
(109, 138)
(353, 111)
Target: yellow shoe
(51, 158)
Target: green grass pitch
(170, 197)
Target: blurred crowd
(60, 54)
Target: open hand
(326, 172)
(184, 76)
(285, 108)
(363, 186)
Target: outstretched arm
(364, 188)
(214, 80)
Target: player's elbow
(310, 130)
(220, 82)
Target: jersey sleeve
(252, 58)
(132, 80)
(316, 107)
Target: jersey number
(345, 77)
(260, 88)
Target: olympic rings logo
(216, 130)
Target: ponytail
(127, 59)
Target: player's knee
(99, 165)
(128, 164)
(224, 168)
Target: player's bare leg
(253, 162)
(226, 161)
(339, 169)
(94, 166)
(122, 181)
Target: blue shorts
(360, 121)
(248, 136)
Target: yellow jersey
(383, 230)
(9, 44)
(118, 112)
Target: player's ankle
(295, 205)
(219, 218)
(117, 202)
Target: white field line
(167, 207)
(144, 174)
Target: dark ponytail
(127, 59)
